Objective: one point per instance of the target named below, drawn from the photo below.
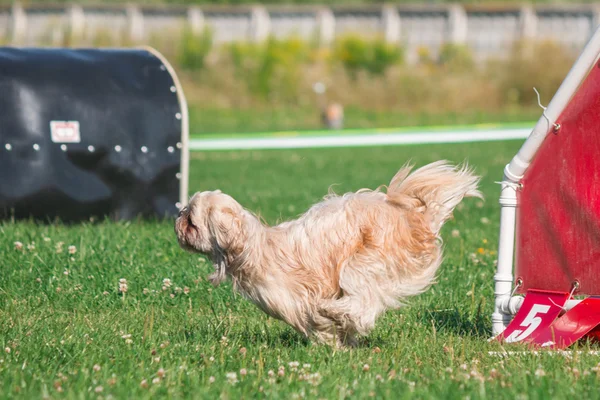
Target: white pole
(513, 173)
(503, 278)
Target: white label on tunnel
(65, 131)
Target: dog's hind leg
(367, 292)
(325, 329)
(352, 317)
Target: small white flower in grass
(366, 367)
(38, 280)
(186, 290)
(172, 296)
(293, 365)
(281, 372)
(178, 290)
(146, 291)
(156, 359)
(485, 220)
(126, 336)
(306, 366)
(313, 379)
(167, 282)
(161, 373)
(144, 383)
(479, 204)
(66, 272)
(455, 233)
(72, 249)
(271, 373)
(105, 293)
(211, 379)
(7, 350)
(97, 367)
(31, 246)
(540, 372)
(123, 285)
(231, 378)
(47, 239)
(98, 389)
(18, 246)
(243, 372)
(156, 380)
(211, 359)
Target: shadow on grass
(250, 336)
(477, 325)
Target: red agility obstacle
(551, 213)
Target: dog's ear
(225, 225)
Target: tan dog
(338, 267)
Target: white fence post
(528, 23)
(195, 18)
(391, 24)
(457, 24)
(596, 18)
(76, 24)
(260, 25)
(135, 21)
(326, 26)
(18, 24)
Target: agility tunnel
(91, 133)
(549, 249)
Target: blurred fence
(486, 30)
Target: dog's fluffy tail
(435, 190)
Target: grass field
(205, 120)
(67, 332)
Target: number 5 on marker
(538, 311)
(531, 322)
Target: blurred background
(306, 65)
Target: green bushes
(373, 56)
(194, 49)
(456, 58)
(272, 69)
(543, 65)
(276, 77)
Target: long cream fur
(334, 270)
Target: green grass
(61, 314)
(205, 120)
